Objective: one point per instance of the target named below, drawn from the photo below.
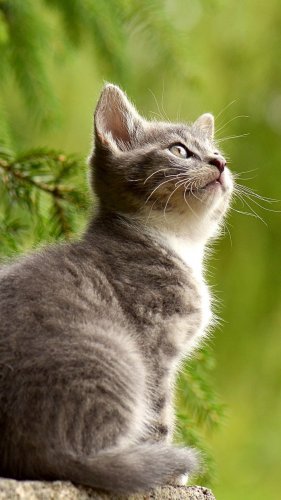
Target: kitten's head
(169, 175)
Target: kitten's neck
(189, 249)
(190, 252)
(185, 237)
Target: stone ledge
(58, 490)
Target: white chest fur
(192, 255)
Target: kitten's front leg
(163, 429)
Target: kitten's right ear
(117, 122)
(206, 123)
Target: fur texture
(92, 333)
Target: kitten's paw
(179, 480)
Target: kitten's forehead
(168, 133)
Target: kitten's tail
(138, 468)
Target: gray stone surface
(58, 490)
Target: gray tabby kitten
(92, 333)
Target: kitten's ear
(117, 122)
(206, 123)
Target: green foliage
(26, 41)
(103, 22)
(37, 191)
(200, 410)
(21, 52)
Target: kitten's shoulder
(48, 267)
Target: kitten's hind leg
(81, 399)
(106, 402)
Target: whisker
(246, 213)
(226, 107)
(160, 170)
(240, 188)
(181, 171)
(259, 205)
(237, 176)
(181, 180)
(184, 195)
(156, 102)
(225, 230)
(162, 103)
(250, 191)
(232, 137)
(157, 115)
(229, 234)
(155, 189)
(239, 196)
(162, 116)
(179, 119)
(154, 173)
(191, 191)
(150, 212)
(254, 212)
(246, 171)
(170, 196)
(229, 121)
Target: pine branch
(60, 222)
(27, 167)
(191, 434)
(42, 182)
(200, 410)
(196, 391)
(105, 23)
(25, 53)
(55, 191)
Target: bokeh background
(176, 59)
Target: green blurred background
(179, 58)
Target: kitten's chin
(208, 206)
(215, 192)
(195, 214)
(223, 182)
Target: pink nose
(219, 162)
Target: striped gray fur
(92, 333)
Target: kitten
(92, 333)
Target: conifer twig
(55, 191)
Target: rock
(58, 490)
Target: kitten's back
(69, 391)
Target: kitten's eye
(180, 151)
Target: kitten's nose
(219, 162)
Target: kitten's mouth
(213, 183)
(217, 182)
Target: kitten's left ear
(117, 122)
(206, 123)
